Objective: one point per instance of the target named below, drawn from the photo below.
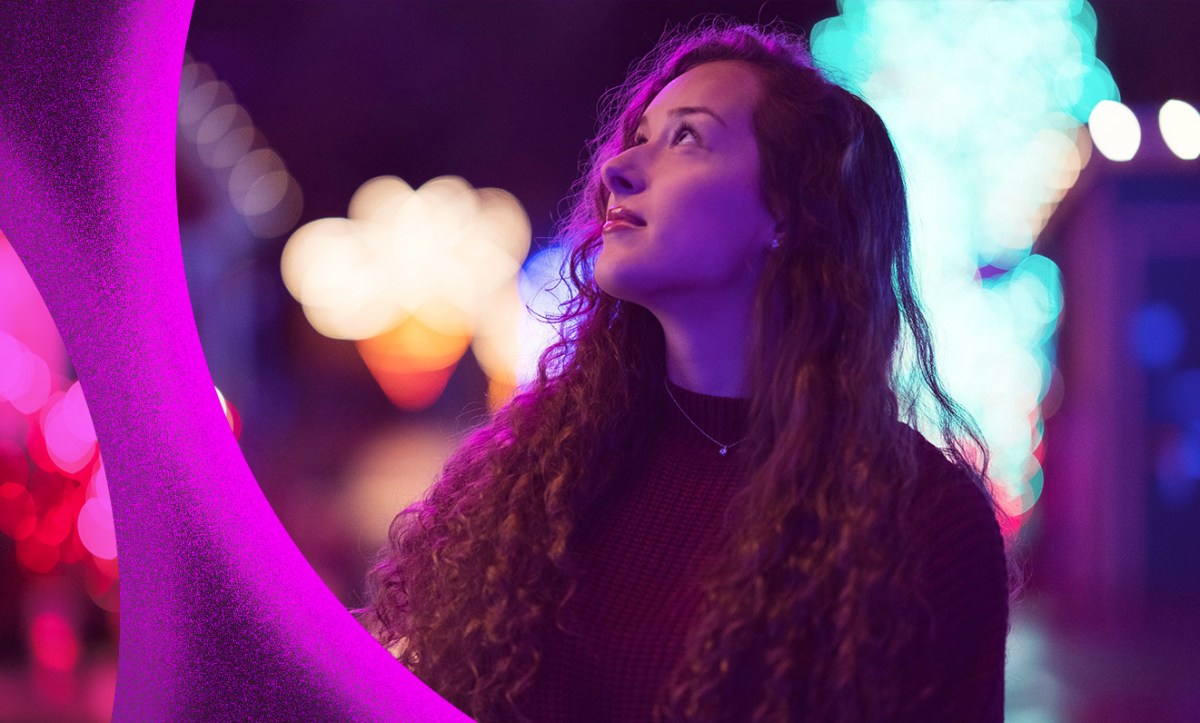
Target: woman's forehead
(729, 88)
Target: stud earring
(775, 243)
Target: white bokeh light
(1179, 123)
(1115, 130)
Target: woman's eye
(685, 128)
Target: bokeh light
(1177, 473)
(67, 427)
(18, 515)
(986, 112)
(1157, 335)
(412, 276)
(96, 528)
(53, 642)
(54, 500)
(1115, 130)
(545, 286)
(259, 185)
(1179, 123)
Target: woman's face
(692, 176)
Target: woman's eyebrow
(686, 110)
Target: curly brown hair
(814, 544)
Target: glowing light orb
(53, 643)
(95, 526)
(1179, 123)
(411, 275)
(18, 515)
(1115, 130)
(515, 330)
(67, 428)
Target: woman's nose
(620, 177)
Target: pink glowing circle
(95, 526)
(67, 427)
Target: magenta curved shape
(222, 618)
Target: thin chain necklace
(724, 447)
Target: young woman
(709, 506)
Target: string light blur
(985, 103)
(258, 183)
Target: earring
(775, 243)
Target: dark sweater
(640, 589)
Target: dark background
(504, 93)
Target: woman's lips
(618, 224)
(619, 217)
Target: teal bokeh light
(985, 101)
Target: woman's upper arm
(967, 588)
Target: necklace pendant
(724, 450)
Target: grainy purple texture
(222, 618)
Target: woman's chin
(609, 279)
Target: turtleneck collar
(722, 418)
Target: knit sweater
(639, 590)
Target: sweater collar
(722, 418)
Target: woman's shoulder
(964, 571)
(958, 535)
(946, 492)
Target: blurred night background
(1057, 233)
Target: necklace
(724, 447)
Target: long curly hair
(476, 571)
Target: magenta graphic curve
(222, 618)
